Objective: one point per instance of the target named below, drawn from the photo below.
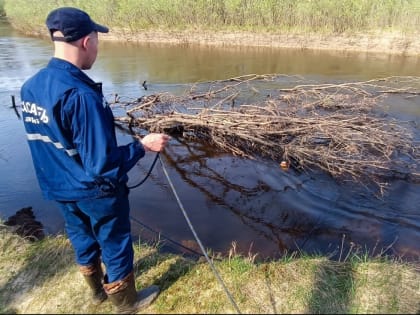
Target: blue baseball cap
(73, 23)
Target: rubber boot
(94, 277)
(126, 299)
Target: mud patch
(25, 225)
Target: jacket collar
(74, 71)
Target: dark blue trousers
(100, 228)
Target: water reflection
(278, 211)
(176, 63)
(254, 203)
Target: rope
(166, 237)
(197, 239)
(148, 173)
(189, 224)
(148, 227)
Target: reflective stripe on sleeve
(46, 139)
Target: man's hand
(155, 141)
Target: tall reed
(303, 16)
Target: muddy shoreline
(388, 43)
(379, 42)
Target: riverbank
(374, 42)
(349, 25)
(388, 43)
(40, 277)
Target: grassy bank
(364, 25)
(246, 15)
(41, 277)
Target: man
(71, 135)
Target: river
(223, 196)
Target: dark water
(254, 204)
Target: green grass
(2, 12)
(42, 277)
(304, 16)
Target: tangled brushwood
(339, 128)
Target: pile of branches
(338, 128)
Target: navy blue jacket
(71, 135)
